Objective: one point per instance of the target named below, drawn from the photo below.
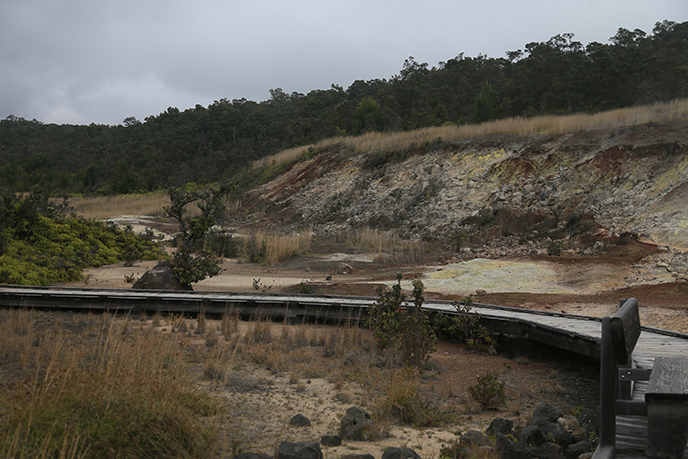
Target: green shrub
(40, 250)
(464, 327)
(489, 391)
(401, 325)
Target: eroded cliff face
(602, 183)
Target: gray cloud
(83, 61)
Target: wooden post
(608, 381)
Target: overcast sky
(98, 61)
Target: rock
(253, 456)
(331, 440)
(501, 441)
(500, 425)
(571, 424)
(300, 420)
(159, 277)
(532, 435)
(544, 414)
(475, 437)
(480, 292)
(345, 268)
(354, 422)
(518, 450)
(576, 449)
(394, 452)
(557, 433)
(302, 450)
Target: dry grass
(379, 142)
(386, 243)
(279, 247)
(89, 386)
(104, 207)
(78, 386)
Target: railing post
(608, 381)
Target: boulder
(252, 456)
(571, 424)
(159, 277)
(574, 450)
(302, 450)
(354, 422)
(394, 452)
(518, 450)
(300, 420)
(331, 440)
(544, 414)
(500, 425)
(476, 438)
(532, 436)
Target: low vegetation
(41, 246)
(104, 207)
(272, 248)
(83, 386)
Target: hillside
(582, 189)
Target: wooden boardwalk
(579, 334)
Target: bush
(489, 391)
(397, 324)
(38, 249)
(465, 327)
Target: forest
(213, 144)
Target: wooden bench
(666, 399)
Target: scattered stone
(532, 436)
(574, 450)
(357, 456)
(518, 450)
(557, 433)
(354, 422)
(500, 425)
(475, 437)
(544, 414)
(331, 440)
(501, 441)
(253, 456)
(571, 424)
(394, 452)
(300, 420)
(302, 450)
(345, 268)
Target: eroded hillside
(599, 183)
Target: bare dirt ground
(579, 285)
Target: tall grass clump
(96, 387)
(263, 247)
(385, 242)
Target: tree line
(212, 144)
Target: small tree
(191, 262)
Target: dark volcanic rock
(354, 421)
(160, 277)
(302, 450)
